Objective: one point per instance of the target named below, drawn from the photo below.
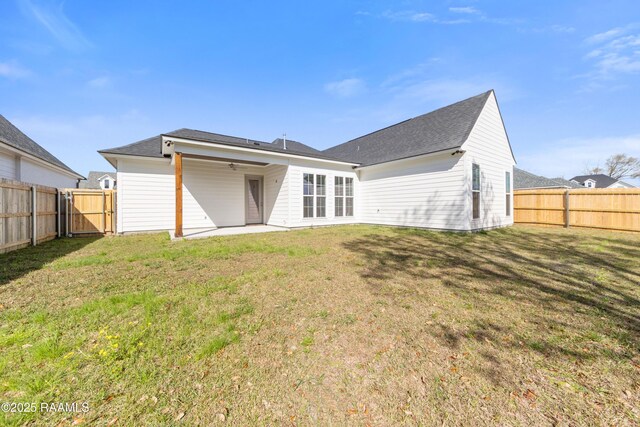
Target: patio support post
(178, 172)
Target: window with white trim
(475, 190)
(314, 196)
(343, 196)
(507, 184)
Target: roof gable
(15, 138)
(439, 130)
(601, 180)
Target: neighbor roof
(15, 138)
(442, 129)
(602, 180)
(567, 183)
(152, 147)
(93, 179)
(523, 180)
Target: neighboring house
(600, 181)
(99, 181)
(450, 169)
(22, 159)
(523, 180)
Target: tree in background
(618, 166)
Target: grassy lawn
(347, 325)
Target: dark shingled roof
(92, 181)
(602, 180)
(567, 183)
(152, 147)
(523, 180)
(14, 137)
(296, 146)
(442, 129)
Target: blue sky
(78, 76)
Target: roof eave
(264, 150)
(66, 170)
(430, 154)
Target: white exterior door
(254, 200)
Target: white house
(600, 180)
(450, 169)
(22, 159)
(97, 180)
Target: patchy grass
(346, 325)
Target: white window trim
(344, 196)
(479, 191)
(509, 192)
(315, 196)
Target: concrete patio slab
(201, 233)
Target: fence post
(34, 216)
(566, 209)
(58, 213)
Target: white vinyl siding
(34, 173)
(424, 192)
(146, 195)
(7, 165)
(488, 147)
(22, 169)
(276, 194)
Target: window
(475, 190)
(321, 196)
(507, 183)
(314, 195)
(106, 184)
(348, 197)
(339, 196)
(343, 196)
(307, 200)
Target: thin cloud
(346, 88)
(609, 34)
(52, 18)
(465, 10)
(99, 82)
(614, 52)
(13, 70)
(471, 15)
(408, 15)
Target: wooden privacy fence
(51, 213)
(609, 209)
(90, 211)
(29, 214)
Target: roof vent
(284, 140)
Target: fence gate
(90, 211)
